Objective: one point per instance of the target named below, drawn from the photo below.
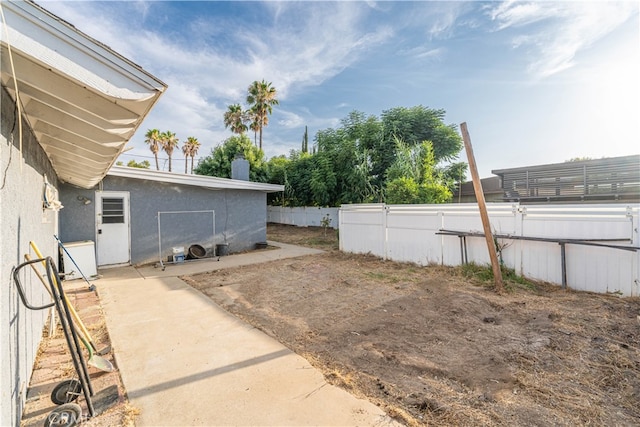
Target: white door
(112, 227)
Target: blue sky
(537, 82)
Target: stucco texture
(240, 216)
(22, 219)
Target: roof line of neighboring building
(571, 164)
(210, 182)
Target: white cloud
(297, 46)
(291, 120)
(424, 52)
(515, 14)
(555, 32)
(444, 21)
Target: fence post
(519, 213)
(385, 212)
(477, 186)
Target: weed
(325, 222)
(484, 273)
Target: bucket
(222, 249)
(197, 252)
(178, 254)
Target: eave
(82, 100)
(203, 181)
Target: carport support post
(486, 225)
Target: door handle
(99, 231)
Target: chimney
(240, 168)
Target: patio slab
(185, 361)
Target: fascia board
(213, 183)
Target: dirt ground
(434, 346)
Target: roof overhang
(204, 181)
(82, 100)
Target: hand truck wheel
(65, 392)
(67, 415)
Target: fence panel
(466, 217)
(407, 233)
(411, 234)
(588, 268)
(362, 229)
(309, 216)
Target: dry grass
(130, 414)
(571, 358)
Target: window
(113, 210)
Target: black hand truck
(69, 413)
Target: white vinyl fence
(408, 233)
(303, 216)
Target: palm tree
(190, 149)
(261, 98)
(195, 145)
(186, 150)
(254, 126)
(153, 138)
(234, 118)
(169, 142)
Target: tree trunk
(186, 162)
(157, 166)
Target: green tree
(344, 151)
(142, 165)
(298, 176)
(305, 141)
(413, 126)
(235, 118)
(277, 174)
(218, 163)
(261, 99)
(413, 177)
(454, 174)
(153, 138)
(169, 143)
(366, 159)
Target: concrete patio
(185, 361)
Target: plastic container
(222, 249)
(197, 252)
(178, 254)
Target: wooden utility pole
(486, 225)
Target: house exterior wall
(22, 219)
(240, 216)
(491, 187)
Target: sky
(536, 82)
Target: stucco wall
(240, 216)
(22, 219)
